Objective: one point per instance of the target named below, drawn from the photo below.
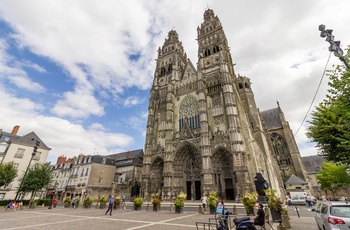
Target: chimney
(15, 130)
(61, 159)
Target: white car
(333, 215)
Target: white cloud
(24, 82)
(132, 101)
(78, 105)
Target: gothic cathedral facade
(204, 130)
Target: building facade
(20, 150)
(282, 144)
(82, 176)
(204, 130)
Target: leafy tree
(330, 124)
(333, 176)
(8, 173)
(38, 177)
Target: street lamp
(35, 149)
(334, 45)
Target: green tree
(330, 124)
(333, 176)
(8, 173)
(39, 176)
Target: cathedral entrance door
(193, 194)
(229, 189)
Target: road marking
(164, 223)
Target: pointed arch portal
(224, 178)
(156, 182)
(188, 171)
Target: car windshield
(340, 211)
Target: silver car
(333, 215)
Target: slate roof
(128, 158)
(313, 163)
(293, 179)
(29, 140)
(272, 118)
(7, 137)
(26, 140)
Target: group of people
(258, 219)
(13, 205)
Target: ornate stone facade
(204, 130)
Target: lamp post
(35, 149)
(334, 45)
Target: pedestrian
(123, 199)
(204, 203)
(110, 205)
(54, 202)
(74, 201)
(289, 201)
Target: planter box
(178, 209)
(276, 215)
(250, 212)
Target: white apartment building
(19, 149)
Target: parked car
(333, 215)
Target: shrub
(179, 200)
(212, 200)
(88, 201)
(155, 198)
(249, 200)
(138, 202)
(274, 202)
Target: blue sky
(78, 73)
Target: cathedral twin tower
(204, 130)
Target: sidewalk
(296, 223)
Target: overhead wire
(313, 99)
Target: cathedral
(204, 130)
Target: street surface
(81, 218)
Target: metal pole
(24, 176)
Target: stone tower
(204, 131)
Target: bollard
(124, 206)
(147, 208)
(285, 221)
(200, 209)
(234, 210)
(171, 208)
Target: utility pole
(334, 45)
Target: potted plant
(212, 202)
(179, 202)
(67, 201)
(78, 199)
(275, 204)
(88, 201)
(138, 202)
(103, 201)
(249, 200)
(117, 201)
(155, 201)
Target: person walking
(110, 205)
(74, 201)
(204, 203)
